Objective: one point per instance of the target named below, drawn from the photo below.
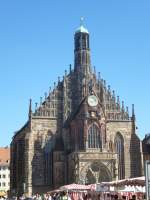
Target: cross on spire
(81, 21)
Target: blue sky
(36, 46)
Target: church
(80, 132)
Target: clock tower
(82, 65)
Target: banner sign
(102, 188)
(147, 178)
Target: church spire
(133, 113)
(30, 108)
(133, 120)
(82, 61)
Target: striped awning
(75, 187)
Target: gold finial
(81, 21)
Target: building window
(119, 147)
(0, 175)
(3, 184)
(94, 140)
(4, 176)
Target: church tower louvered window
(119, 146)
(94, 140)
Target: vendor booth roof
(75, 187)
(138, 181)
(2, 193)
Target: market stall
(126, 188)
(76, 191)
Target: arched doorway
(97, 172)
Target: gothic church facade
(80, 133)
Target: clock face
(92, 100)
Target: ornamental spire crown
(81, 29)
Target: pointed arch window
(119, 147)
(94, 140)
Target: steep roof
(4, 155)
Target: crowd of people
(63, 195)
(84, 196)
(49, 196)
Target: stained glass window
(94, 140)
(119, 146)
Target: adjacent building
(4, 170)
(80, 132)
(146, 147)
